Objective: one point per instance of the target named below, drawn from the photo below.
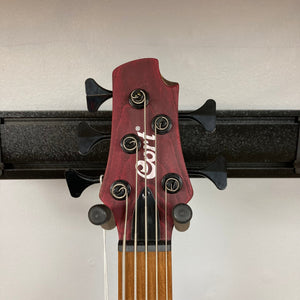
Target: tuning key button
(162, 124)
(138, 97)
(131, 142)
(182, 215)
(100, 214)
(205, 115)
(172, 183)
(120, 189)
(95, 95)
(215, 172)
(89, 137)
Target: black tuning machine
(78, 182)
(205, 115)
(215, 172)
(98, 214)
(88, 137)
(95, 95)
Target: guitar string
(166, 238)
(156, 225)
(105, 268)
(124, 246)
(135, 224)
(146, 200)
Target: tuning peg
(216, 172)
(78, 182)
(95, 95)
(100, 214)
(89, 137)
(205, 115)
(182, 215)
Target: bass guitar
(146, 186)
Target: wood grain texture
(129, 276)
(163, 99)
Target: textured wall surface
(243, 242)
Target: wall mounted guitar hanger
(147, 151)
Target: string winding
(105, 265)
(124, 247)
(146, 204)
(156, 220)
(135, 224)
(166, 239)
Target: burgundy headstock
(131, 82)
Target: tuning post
(130, 142)
(172, 183)
(162, 124)
(138, 97)
(120, 189)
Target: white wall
(244, 242)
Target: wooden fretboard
(129, 275)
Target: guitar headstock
(145, 150)
(144, 122)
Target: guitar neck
(158, 283)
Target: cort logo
(147, 169)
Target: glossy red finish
(163, 99)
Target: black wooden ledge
(43, 144)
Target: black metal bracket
(44, 144)
(1, 161)
(297, 161)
